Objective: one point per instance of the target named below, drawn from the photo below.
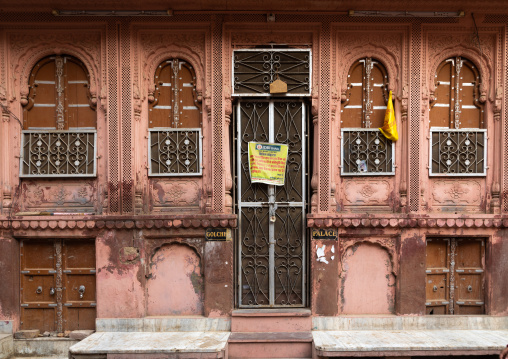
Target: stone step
(43, 347)
(270, 345)
(6, 346)
(277, 320)
(45, 357)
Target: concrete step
(249, 345)
(266, 320)
(46, 357)
(6, 346)
(43, 347)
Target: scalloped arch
(168, 243)
(387, 244)
(170, 52)
(380, 54)
(30, 59)
(468, 53)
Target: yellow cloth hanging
(389, 129)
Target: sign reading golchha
(267, 163)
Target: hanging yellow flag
(389, 129)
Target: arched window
(458, 137)
(175, 121)
(59, 120)
(366, 95)
(365, 151)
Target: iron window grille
(455, 152)
(175, 152)
(255, 69)
(53, 153)
(366, 152)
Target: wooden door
(79, 285)
(57, 285)
(455, 276)
(38, 285)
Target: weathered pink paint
(119, 292)
(271, 323)
(175, 286)
(369, 285)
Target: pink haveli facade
(123, 160)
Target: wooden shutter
(175, 102)
(367, 95)
(59, 97)
(456, 98)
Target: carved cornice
(119, 223)
(405, 221)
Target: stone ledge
(394, 322)
(146, 343)
(409, 342)
(163, 324)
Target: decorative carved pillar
(217, 171)
(227, 155)
(207, 108)
(403, 170)
(495, 204)
(314, 200)
(324, 117)
(5, 190)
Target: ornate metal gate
(272, 246)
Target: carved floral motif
(366, 191)
(175, 193)
(456, 192)
(45, 195)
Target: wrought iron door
(271, 249)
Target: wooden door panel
(72, 283)
(78, 318)
(469, 287)
(37, 288)
(37, 255)
(43, 319)
(437, 254)
(470, 310)
(436, 309)
(470, 254)
(437, 287)
(79, 255)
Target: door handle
(469, 288)
(81, 291)
(51, 291)
(38, 290)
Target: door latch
(38, 290)
(81, 291)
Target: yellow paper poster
(267, 163)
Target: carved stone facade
(140, 222)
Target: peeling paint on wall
(368, 283)
(176, 284)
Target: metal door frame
(271, 204)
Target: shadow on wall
(176, 284)
(368, 283)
